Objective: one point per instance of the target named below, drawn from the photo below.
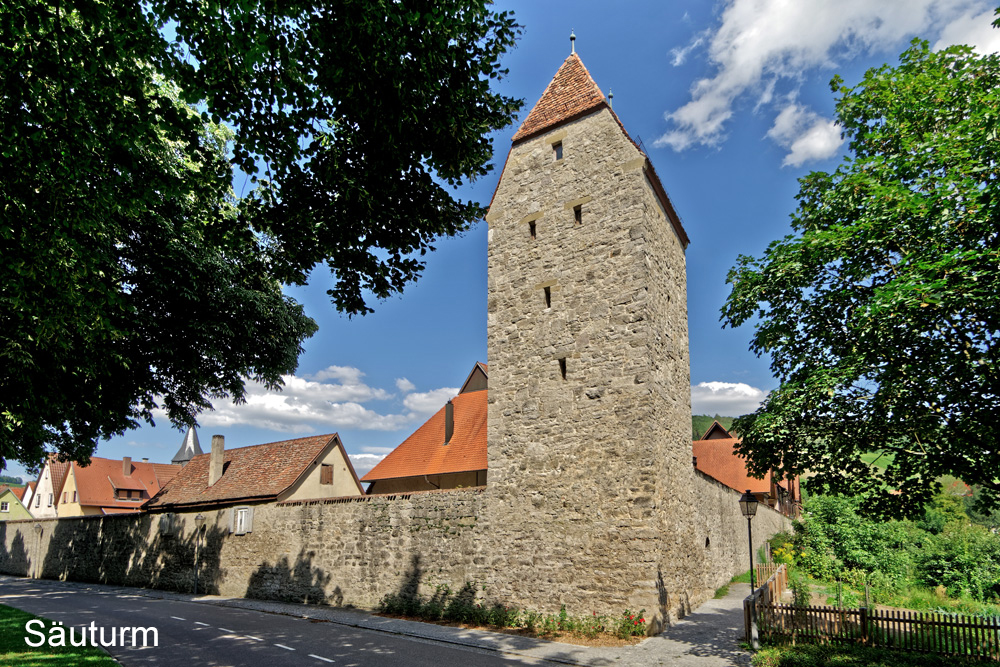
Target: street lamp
(199, 521)
(748, 505)
(38, 551)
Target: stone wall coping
(760, 506)
(379, 496)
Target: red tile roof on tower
(258, 473)
(96, 483)
(425, 453)
(571, 93)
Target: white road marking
(179, 618)
(319, 657)
(254, 638)
(227, 630)
(287, 648)
(200, 623)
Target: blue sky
(732, 102)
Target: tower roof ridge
(571, 92)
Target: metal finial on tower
(611, 98)
(572, 42)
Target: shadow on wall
(128, 550)
(15, 561)
(301, 582)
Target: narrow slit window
(557, 150)
(531, 229)
(562, 368)
(548, 297)
(578, 214)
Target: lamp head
(748, 504)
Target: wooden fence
(768, 592)
(945, 634)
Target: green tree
(881, 312)
(130, 276)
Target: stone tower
(590, 474)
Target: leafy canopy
(881, 312)
(131, 275)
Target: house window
(557, 150)
(38, 500)
(65, 496)
(4, 507)
(74, 496)
(50, 500)
(242, 520)
(326, 474)
(578, 214)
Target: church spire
(190, 448)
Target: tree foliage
(131, 276)
(881, 312)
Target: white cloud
(761, 43)
(806, 134)
(349, 388)
(363, 463)
(429, 402)
(974, 29)
(405, 385)
(728, 399)
(377, 450)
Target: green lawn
(811, 655)
(14, 650)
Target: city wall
(354, 551)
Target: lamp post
(199, 521)
(748, 505)
(38, 552)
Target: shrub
(631, 625)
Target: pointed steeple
(190, 448)
(571, 93)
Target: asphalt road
(190, 634)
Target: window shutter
(232, 519)
(249, 519)
(326, 474)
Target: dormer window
(557, 151)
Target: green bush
(965, 559)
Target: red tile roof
(717, 459)
(58, 471)
(424, 452)
(571, 93)
(96, 483)
(18, 491)
(260, 472)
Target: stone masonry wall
(339, 552)
(592, 471)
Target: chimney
(216, 459)
(145, 459)
(449, 422)
(127, 466)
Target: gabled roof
(477, 379)
(571, 94)
(258, 473)
(717, 459)
(57, 472)
(18, 491)
(424, 452)
(717, 431)
(96, 483)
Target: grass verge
(14, 650)
(813, 655)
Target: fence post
(864, 625)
